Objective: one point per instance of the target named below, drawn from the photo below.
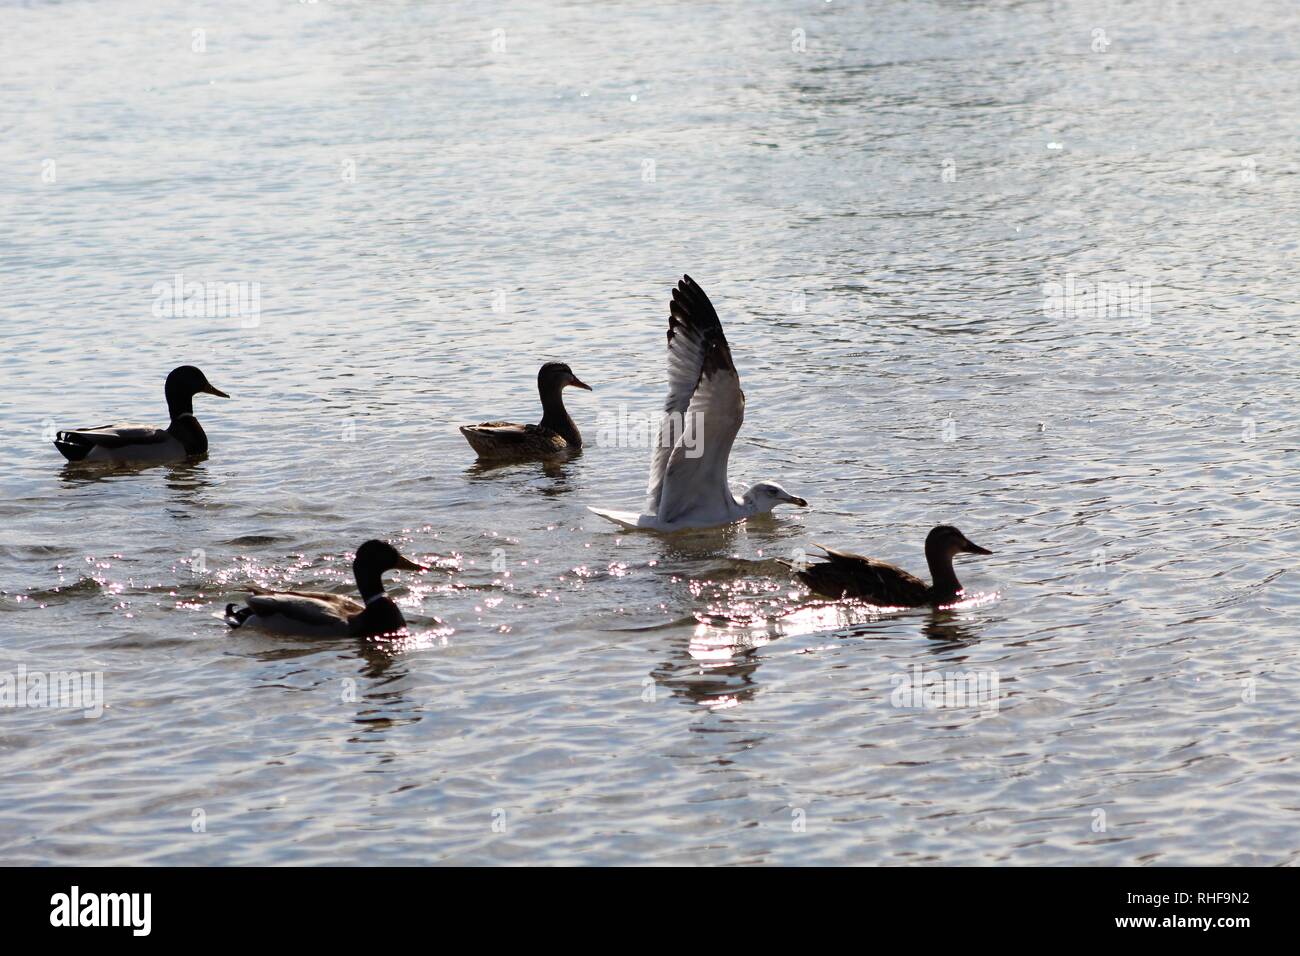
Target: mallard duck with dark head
(845, 575)
(554, 435)
(319, 614)
(181, 439)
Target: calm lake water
(886, 201)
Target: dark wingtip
(686, 290)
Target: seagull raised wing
(702, 415)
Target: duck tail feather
(70, 448)
(236, 616)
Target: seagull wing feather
(708, 412)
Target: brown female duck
(555, 434)
(845, 575)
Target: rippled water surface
(434, 199)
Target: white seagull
(704, 411)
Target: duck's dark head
(376, 557)
(556, 376)
(946, 542)
(187, 381)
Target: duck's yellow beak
(210, 389)
(403, 564)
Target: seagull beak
(802, 503)
(973, 548)
(578, 383)
(210, 389)
(404, 565)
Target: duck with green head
(319, 614)
(182, 438)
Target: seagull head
(766, 495)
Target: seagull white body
(702, 415)
(729, 511)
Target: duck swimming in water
(317, 614)
(555, 434)
(142, 443)
(703, 413)
(846, 575)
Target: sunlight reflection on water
(876, 217)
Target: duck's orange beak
(578, 383)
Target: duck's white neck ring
(373, 598)
(183, 415)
